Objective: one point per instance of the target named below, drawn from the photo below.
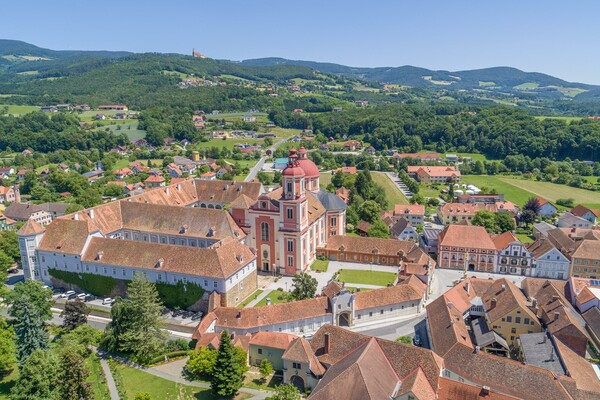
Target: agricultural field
(527, 85)
(520, 190)
(17, 110)
(566, 119)
(128, 128)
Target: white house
(568, 220)
(548, 262)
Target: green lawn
(524, 238)
(18, 110)
(393, 194)
(527, 85)
(552, 191)
(6, 383)
(512, 193)
(366, 277)
(566, 119)
(353, 289)
(474, 156)
(320, 265)
(325, 179)
(276, 296)
(136, 381)
(250, 298)
(128, 128)
(97, 379)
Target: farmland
(17, 110)
(393, 194)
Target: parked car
(165, 311)
(197, 316)
(177, 313)
(417, 340)
(82, 296)
(108, 301)
(13, 270)
(71, 296)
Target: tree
(405, 340)
(528, 217)
(379, 230)
(30, 307)
(504, 222)
(38, 378)
(75, 314)
(533, 205)
(305, 286)
(73, 376)
(201, 362)
(8, 348)
(486, 219)
(286, 392)
(5, 263)
(369, 211)
(227, 376)
(136, 325)
(9, 244)
(143, 396)
(265, 368)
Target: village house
(548, 261)
(119, 107)
(513, 257)
(269, 346)
(123, 173)
(174, 170)
(568, 220)
(414, 213)
(9, 194)
(450, 213)
(547, 209)
(404, 230)
(437, 174)
(585, 213)
(25, 212)
(344, 194)
(154, 181)
(93, 176)
(346, 170)
(468, 248)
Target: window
(509, 319)
(517, 320)
(526, 321)
(215, 284)
(296, 365)
(290, 261)
(370, 314)
(289, 187)
(290, 245)
(381, 312)
(333, 221)
(264, 231)
(513, 330)
(290, 213)
(259, 351)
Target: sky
(559, 38)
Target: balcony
(289, 226)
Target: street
(256, 169)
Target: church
(288, 224)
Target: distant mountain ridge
(494, 77)
(19, 48)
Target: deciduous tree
(75, 314)
(305, 286)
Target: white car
(107, 300)
(82, 296)
(67, 294)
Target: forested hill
(15, 49)
(489, 79)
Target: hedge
(172, 296)
(97, 285)
(173, 354)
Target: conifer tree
(227, 375)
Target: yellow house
(507, 311)
(585, 259)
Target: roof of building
(538, 350)
(276, 340)
(570, 219)
(332, 288)
(466, 236)
(587, 249)
(299, 350)
(444, 171)
(398, 228)
(330, 201)
(363, 226)
(580, 211)
(365, 373)
(218, 261)
(309, 167)
(403, 358)
(502, 240)
(21, 211)
(446, 326)
(410, 209)
(543, 227)
(592, 319)
(540, 247)
(31, 228)
(578, 368)
(417, 384)
(65, 236)
(451, 389)
(411, 289)
(507, 298)
(484, 336)
(386, 247)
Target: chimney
(99, 255)
(449, 304)
(556, 315)
(91, 213)
(477, 349)
(493, 303)
(239, 314)
(160, 263)
(485, 390)
(76, 216)
(468, 286)
(327, 346)
(167, 190)
(534, 303)
(179, 187)
(555, 297)
(503, 287)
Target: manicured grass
(353, 289)
(97, 379)
(253, 381)
(6, 383)
(512, 193)
(566, 119)
(325, 179)
(366, 277)
(524, 238)
(474, 156)
(250, 298)
(276, 296)
(393, 194)
(527, 85)
(352, 234)
(136, 381)
(18, 110)
(320, 265)
(130, 129)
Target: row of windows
(526, 321)
(382, 311)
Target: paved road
(110, 381)
(256, 169)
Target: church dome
(309, 167)
(293, 168)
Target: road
(256, 169)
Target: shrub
(173, 354)
(181, 295)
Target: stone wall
(239, 292)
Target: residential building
(414, 213)
(428, 241)
(548, 261)
(585, 213)
(451, 213)
(93, 176)
(513, 257)
(568, 220)
(301, 367)
(344, 194)
(24, 212)
(468, 248)
(346, 170)
(418, 156)
(123, 173)
(155, 181)
(30, 236)
(541, 229)
(480, 198)
(403, 230)
(592, 325)
(436, 174)
(547, 209)
(585, 259)
(538, 349)
(9, 194)
(270, 346)
(119, 107)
